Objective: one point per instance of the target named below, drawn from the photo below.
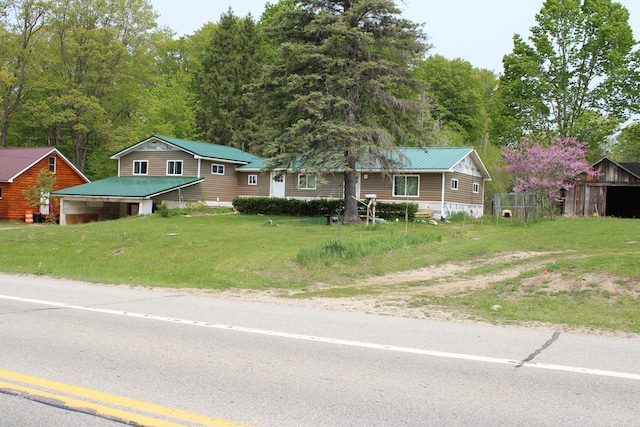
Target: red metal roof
(15, 161)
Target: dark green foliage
(341, 88)
(396, 210)
(232, 61)
(279, 206)
(315, 207)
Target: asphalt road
(180, 359)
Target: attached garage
(613, 191)
(119, 197)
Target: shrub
(314, 207)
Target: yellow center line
(112, 399)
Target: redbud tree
(547, 171)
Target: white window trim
(253, 181)
(141, 162)
(307, 175)
(175, 162)
(393, 190)
(476, 188)
(55, 164)
(217, 166)
(455, 184)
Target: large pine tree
(341, 87)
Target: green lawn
(245, 251)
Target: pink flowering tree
(546, 171)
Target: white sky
(477, 31)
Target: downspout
(199, 168)
(442, 196)
(118, 167)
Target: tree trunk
(4, 128)
(79, 149)
(350, 203)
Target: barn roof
(633, 168)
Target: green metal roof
(428, 159)
(129, 186)
(199, 149)
(434, 158)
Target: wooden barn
(613, 191)
(19, 168)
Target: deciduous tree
(20, 24)
(96, 55)
(461, 94)
(627, 147)
(547, 171)
(580, 60)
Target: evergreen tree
(232, 61)
(338, 89)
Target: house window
(52, 164)
(476, 187)
(253, 179)
(140, 167)
(217, 169)
(174, 167)
(307, 181)
(454, 184)
(406, 185)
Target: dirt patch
(393, 294)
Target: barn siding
(13, 204)
(588, 196)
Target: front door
(277, 184)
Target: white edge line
(433, 353)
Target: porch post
(442, 196)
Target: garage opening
(623, 202)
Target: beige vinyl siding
(157, 165)
(191, 194)
(219, 188)
(330, 189)
(260, 190)
(464, 193)
(382, 186)
(375, 183)
(430, 186)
